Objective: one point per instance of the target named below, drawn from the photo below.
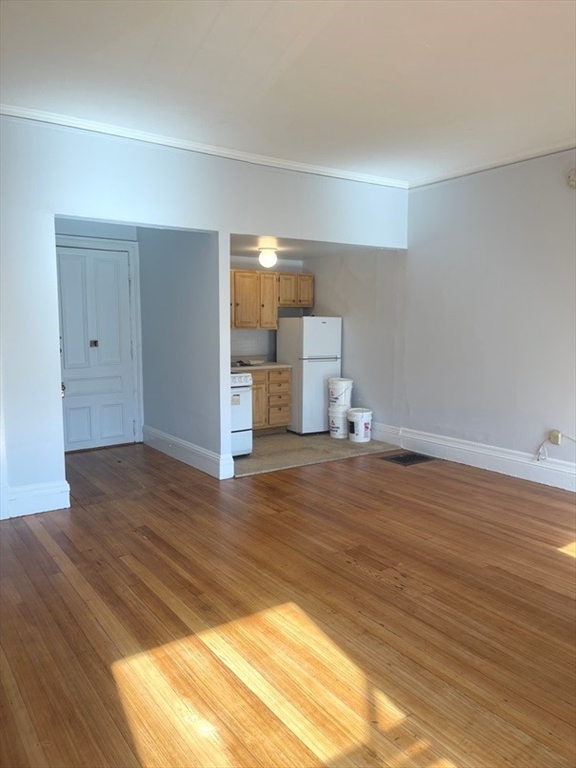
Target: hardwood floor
(353, 613)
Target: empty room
(287, 383)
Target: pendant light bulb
(267, 257)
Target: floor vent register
(408, 459)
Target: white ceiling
(291, 249)
(395, 91)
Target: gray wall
(490, 316)
(367, 289)
(180, 339)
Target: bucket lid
(359, 411)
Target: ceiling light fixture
(267, 257)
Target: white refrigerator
(313, 347)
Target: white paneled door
(98, 375)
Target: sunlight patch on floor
(262, 685)
(166, 727)
(387, 714)
(569, 549)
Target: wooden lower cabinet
(271, 398)
(259, 399)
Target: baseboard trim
(560, 474)
(213, 464)
(386, 433)
(38, 497)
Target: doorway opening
(140, 338)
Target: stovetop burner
(240, 379)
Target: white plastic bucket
(359, 425)
(340, 392)
(338, 422)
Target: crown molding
(66, 121)
(554, 149)
(191, 146)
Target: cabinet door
(305, 290)
(259, 405)
(287, 290)
(268, 300)
(246, 299)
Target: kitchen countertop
(259, 367)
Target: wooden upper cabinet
(268, 300)
(246, 299)
(305, 290)
(256, 295)
(287, 290)
(295, 290)
(255, 299)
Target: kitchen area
(266, 383)
(282, 358)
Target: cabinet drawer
(279, 416)
(284, 399)
(280, 374)
(279, 388)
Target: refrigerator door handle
(319, 359)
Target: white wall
(490, 317)
(367, 289)
(180, 335)
(48, 171)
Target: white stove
(241, 413)
(240, 380)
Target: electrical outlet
(555, 437)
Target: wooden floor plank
(352, 613)
(20, 743)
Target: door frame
(131, 248)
